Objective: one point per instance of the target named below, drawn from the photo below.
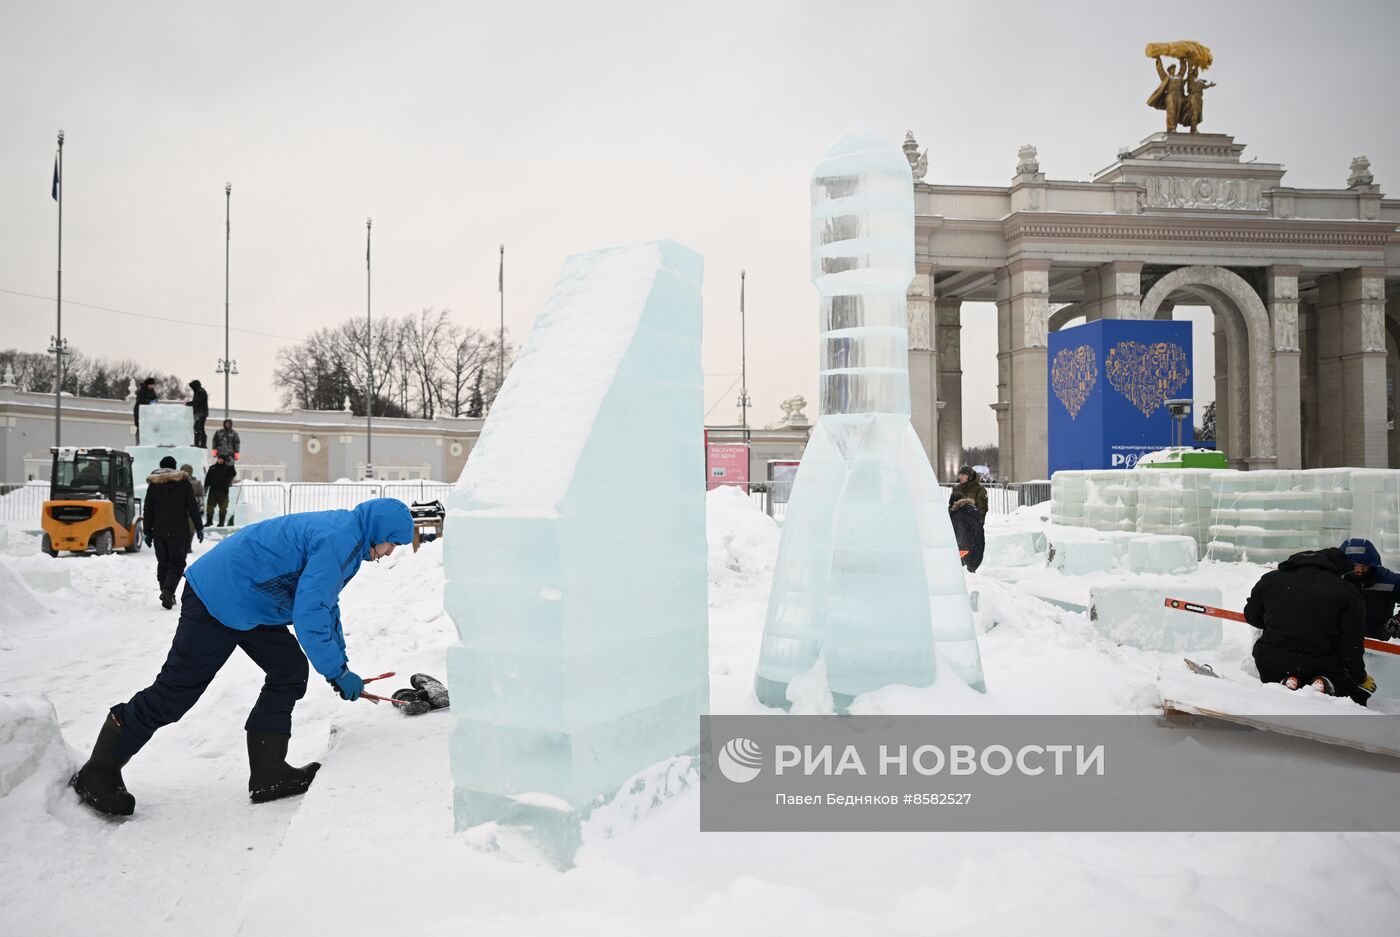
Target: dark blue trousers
(201, 647)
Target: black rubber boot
(269, 775)
(99, 782)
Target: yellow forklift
(92, 505)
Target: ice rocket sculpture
(868, 576)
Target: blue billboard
(1109, 385)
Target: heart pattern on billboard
(1073, 376)
(1147, 375)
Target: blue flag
(55, 179)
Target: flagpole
(501, 339)
(369, 363)
(743, 360)
(228, 235)
(58, 350)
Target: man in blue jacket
(1380, 587)
(243, 594)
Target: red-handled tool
(1181, 605)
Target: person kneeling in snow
(1313, 624)
(244, 593)
(1380, 588)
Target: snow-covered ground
(371, 850)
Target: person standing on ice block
(1313, 624)
(243, 594)
(1380, 588)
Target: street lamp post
(743, 361)
(59, 347)
(226, 364)
(369, 362)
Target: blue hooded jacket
(290, 570)
(1380, 587)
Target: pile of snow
(743, 540)
(30, 743)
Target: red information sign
(726, 465)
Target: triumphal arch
(1304, 285)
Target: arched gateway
(1298, 280)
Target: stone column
(923, 365)
(948, 341)
(1120, 290)
(1222, 386)
(1006, 455)
(1330, 403)
(1392, 372)
(1363, 367)
(1307, 382)
(1282, 291)
(1025, 311)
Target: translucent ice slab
(167, 424)
(146, 459)
(1162, 554)
(577, 582)
(1134, 613)
(1013, 547)
(1081, 555)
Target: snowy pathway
(370, 849)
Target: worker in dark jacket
(1380, 588)
(216, 484)
(969, 487)
(226, 440)
(243, 594)
(1313, 624)
(199, 401)
(167, 514)
(146, 394)
(968, 528)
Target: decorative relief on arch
(1204, 192)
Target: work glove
(1392, 629)
(1369, 684)
(147, 538)
(348, 684)
(200, 534)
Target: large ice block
(1135, 613)
(146, 459)
(167, 424)
(1013, 547)
(868, 578)
(1081, 556)
(1162, 554)
(575, 552)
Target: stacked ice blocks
(1265, 517)
(167, 429)
(1110, 500)
(1375, 497)
(1068, 494)
(1176, 502)
(578, 583)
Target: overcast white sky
(561, 127)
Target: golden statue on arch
(1181, 91)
